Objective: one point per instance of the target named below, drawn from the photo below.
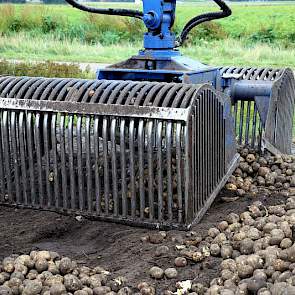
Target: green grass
(216, 52)
(270, 23)
(259, 35)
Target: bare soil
(117, 248)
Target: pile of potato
(262, 173)
(47, 273)
(257, 250)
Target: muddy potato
(171, 273)
(244, 270)
(81, 292)
(277, 235)
(226, 251)
(180, 262)
(52, 267)
(260, 274)
(88, 290)
(58, 289)
(125, 291)
(213, 232)
(72, 283)
(246, 246)
(33, 287)
(95, 281)
(41, 264)
(226, 274)
(8, 264)
(147, 291)
(156, 272)
(255, 261)
(4, 290)
(280, 265)
(65, 265)
(54, 280)
(215, 250)
(43, 255)
(286, 243)
(101, 290)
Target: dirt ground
(117, 248)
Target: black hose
(226, 11)
(109, 11)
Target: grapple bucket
(142, 153)
(263, 106)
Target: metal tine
(187, 181)
(79, 162)
(30, 83)
(54, 160)
(31, 157)
(123, 169)
(71, 161)
(88, 163)
(15, 156)
(248, 122)
(260, 134)
(169, 168)
(39, 160)
(207, 140)
(141, 145)
(150, 168)
(4, 84)
(106, 164)
(159, 170)
(211, 143)
(216, 131)
(47, 159)
(241, 122)
(254, 128)
(2, 180)
(31, 90)
(63, 162)
(97, 167)
(203, 145)
(192, 151)
(114, 166)
(179, 170)
(6, 148)
(236, 117)
(132, 168)
(198, 148)
(23, 157)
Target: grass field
(260, 34)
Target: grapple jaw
(142, 153)
(263, 106)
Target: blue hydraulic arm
(158, 17)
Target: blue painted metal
(159, 18)
(161, 61)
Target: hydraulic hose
(108, 11)
(226, 11)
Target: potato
(156, 272)
(53, 280)
(4, 290)
(43, 255)
(8, 264)
(180, 261)
(33, 287)
(65, 265)
(72, 283)
(58, 289)
(171, 273)
(101, 290)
